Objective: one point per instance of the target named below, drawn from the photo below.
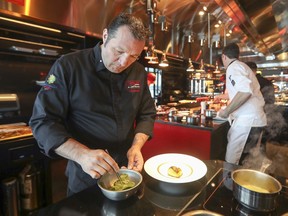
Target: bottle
(29, 186)
(11, 206)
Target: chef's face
(224, 60)
(121, 50)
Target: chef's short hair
(135, 25)
(231, 51)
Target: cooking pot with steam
(255, 190)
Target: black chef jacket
(81, 99)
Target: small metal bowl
(107, 180)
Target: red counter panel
(172, 138)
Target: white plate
(192, 168)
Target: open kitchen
(185, 169)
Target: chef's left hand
(135, 159)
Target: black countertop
(157, 198)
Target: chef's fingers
(94, 174)
(98, 161)
(112, 163)
(136, 162)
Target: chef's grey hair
(135, 25)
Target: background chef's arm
(239, 99)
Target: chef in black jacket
(266, 86)
(95, 100)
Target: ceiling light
(201, 13)
(190, 66)
(216, 71)
(30, 42)
(202, 68)
(164, 62)
(30, 24)
(153, 59)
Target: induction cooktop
(220, 199)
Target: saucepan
(256, 190)
(193, 119)
(210, 113)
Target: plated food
(175, 168)
(175, 172)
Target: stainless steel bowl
(255, 190)
(107, 180)
(210, 113)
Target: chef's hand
(95, 162)
(98, 162)
(135, 159)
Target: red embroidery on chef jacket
(133, 85)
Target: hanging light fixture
(150, 52)
(153, 59)
(190, 67)
(200, 73)
(216, 71)
(164, 62)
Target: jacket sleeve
(50, 110)
(146, 114)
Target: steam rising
(272, 157)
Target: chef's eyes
(120, 53)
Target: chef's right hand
(97, 162)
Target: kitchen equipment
(255, 190)
(193, 119)
(9, 105)
(172, 113)
(11, 205)
(210, 113)
(117, 174)
(107, 180)
(201, 213)
(203, 105)
(177, 117)
(29, 187)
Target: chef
(95, 100)
(245, 109)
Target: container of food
(193, 119)
(210, 113)
(108, 181)
(256, 190)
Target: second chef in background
(97, 99)
(245, 108)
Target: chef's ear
(105, 35)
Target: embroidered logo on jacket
(133, 85)
(231, 80)
(49, 84)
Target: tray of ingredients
(14, 131)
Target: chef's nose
(124, 59)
